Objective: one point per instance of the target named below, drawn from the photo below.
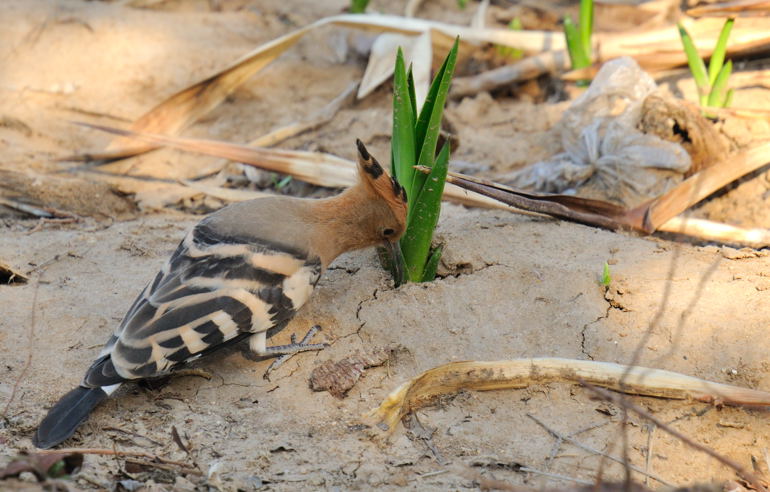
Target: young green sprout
(414, 142)
(711, 83)
(606, 277)
(358, 6)
(507, 51)
(579, 38)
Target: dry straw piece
(521, 373)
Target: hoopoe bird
(242, 272)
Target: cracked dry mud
(512, 286)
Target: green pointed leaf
(358, 6)
(586, 26)
(415, 244)
(697, 67)
(402, 143)
(728, 99)
(718, 56)
(412, 96)
(432, 265)
(429, 122)
(571, 36)
(606, 276)
(717, 95)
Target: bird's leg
(284, 352)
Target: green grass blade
(415, 245)
(586, 25)
(507, 51)
(697, 67)
(573, 43)
(358, 6)
(429, 122)
(412, 96)
(718, 56)
(577, 56)
(432, 264)
(728, 99)
(718, 90)
(402, 148)
(606, 276)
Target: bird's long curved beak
(398, 260)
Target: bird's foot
(160, 382)
(285, 352)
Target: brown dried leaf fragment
(521, 373)
(682, 122)
(9, 276)
(43, 465)
(338, 377)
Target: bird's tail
(70, 411)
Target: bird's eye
(388, 232)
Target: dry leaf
(188, 105)
(227, 194)
(9, 275)
(648, 217)
(417, 52)
(339, 377)
(43, 465)
(520, 373)
(312, 167)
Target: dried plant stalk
(313, 167)
(180, 110)
(520, 373)
(717, 231)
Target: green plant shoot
(415, 138)
(578, 37)
(711, 82)
(606, 277)
(507, 51)
(358, 6)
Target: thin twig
(742, 472)
(555, 476)
(132, 434)
(162, 466)
(560, 441)
(483, 482)
(30, 348)
(648, 460)
(47, 213)
(178, 440)
(589, 449)
(432, 474)
(117, 452)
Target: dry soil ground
(510, 285)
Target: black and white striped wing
(211, 290)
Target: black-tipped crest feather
(368, 163)
(362, 149)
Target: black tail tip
(65, 417)
(362, 149)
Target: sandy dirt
(509, 285)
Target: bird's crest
(381, 183)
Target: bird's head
(383, 214)
(385, 210)
(371, 213)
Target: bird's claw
(285, 352)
